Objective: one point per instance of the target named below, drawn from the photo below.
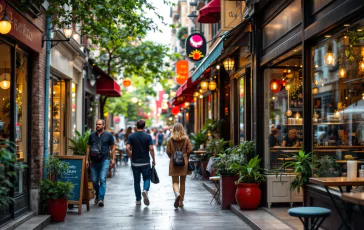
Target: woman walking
(178, 142)
(126, 135)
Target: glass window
(74, 109)
(242, 109)
(282, 23)
(338, 100)
(209, 106)
(58, 115)
(283, 111)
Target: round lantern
(275, 86)
(187, 104)
(175, 110)
(204, 84)
(126, 82)
(212, 85)
(116, 120)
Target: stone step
(35, 223)
(17, 222)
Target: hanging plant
(182, 35)
(354, 39)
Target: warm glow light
(134, 100)
(315, 82)
(273, 98)
(330, 58)
(204, 85)
(342, 72)
(337, 114)
(217, 66)
(5, 25)
(170, 82)
(229, 64)
(212, 85)
(289, 113)
(201, 96)
(164, 105)
(5, 84)
(187, 104)
(196, 94)
(200, 90)
(274, 85)
(361, 65)
(315, 90)
(297, 115)
(172, 93)
(67, 32)
(287, 87)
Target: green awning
(214, 54)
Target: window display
(57, 117)
(74, 108)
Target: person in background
(120, 144)
(126, 136)
(138, 147)
(160, 139)
(291, 139)
(153, 136)
(273, 141)
(121, 134)
(178, 141)
(100, 144)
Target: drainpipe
(47, 78)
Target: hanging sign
(196, 47)
(232, 14)
(182, 72)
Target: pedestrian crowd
(138, 145)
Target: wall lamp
(5, 24)
(67, 32)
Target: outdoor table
(339, 182)
(356, 198)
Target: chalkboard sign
(75, 174)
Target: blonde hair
(178, 132)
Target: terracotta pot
(57, 209)
(227, 191)
(248, 195)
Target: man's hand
(113, 162)
(153, 162)
(87, 164)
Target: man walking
(141, 144)
(100, 143)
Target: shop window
(209, 106)
(215, 28)
(74, 109)
(241, 110)
(286, 20)
(283, 111)
(338, 101)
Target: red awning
(105, 84)
(210, 13)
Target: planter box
(206, 174)
(227, 191)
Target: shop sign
(196, 47)
(232, 14)
(22, 29)
(181, 72)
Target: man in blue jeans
(100, 143)
(138, 146)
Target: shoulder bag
(178, 158)
(96, 153)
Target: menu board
(75, 175)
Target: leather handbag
(178, 157)
(154, 175)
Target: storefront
(20, 104)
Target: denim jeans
(99, 172)
(145, 171)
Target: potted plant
(79, 143)
(55, 193)
(248, 193)
(327, 167)
(198, 140)
(302, 165)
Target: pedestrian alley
(120, 211)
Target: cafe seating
(311, 217)
(216, 181)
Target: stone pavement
(120, 211)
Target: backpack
(96, 153)
(178, 158)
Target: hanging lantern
(275, 86)
(196, 94)
(330, 58)
(289, 113)
(229, 64)
(361, 65)
(182, 72)
(116, 119)
(287, 87)
(164, 105)
(175, 110)
(172, 93)
(126, 82)
(204, 85)
(342, 72)
(187, 104)
(315, 90)
(212, 85)
(5, 24)
(5, 84)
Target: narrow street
(120, 211)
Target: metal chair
(311, 217)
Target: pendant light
(212, 85)
(229, 64)
(361, 65)
(330, 58)
(204, 84)
(5, 84)
(288, 112)
(342, 73)
(5, 24)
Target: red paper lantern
(126, 82)
(275, 86)
(182, 72)
(116, 120)
(175, 110)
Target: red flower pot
(57, 209)
(248, 195)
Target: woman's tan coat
(179, 170)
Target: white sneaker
(145, 197)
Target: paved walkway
(120, 211)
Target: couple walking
(139, 148)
